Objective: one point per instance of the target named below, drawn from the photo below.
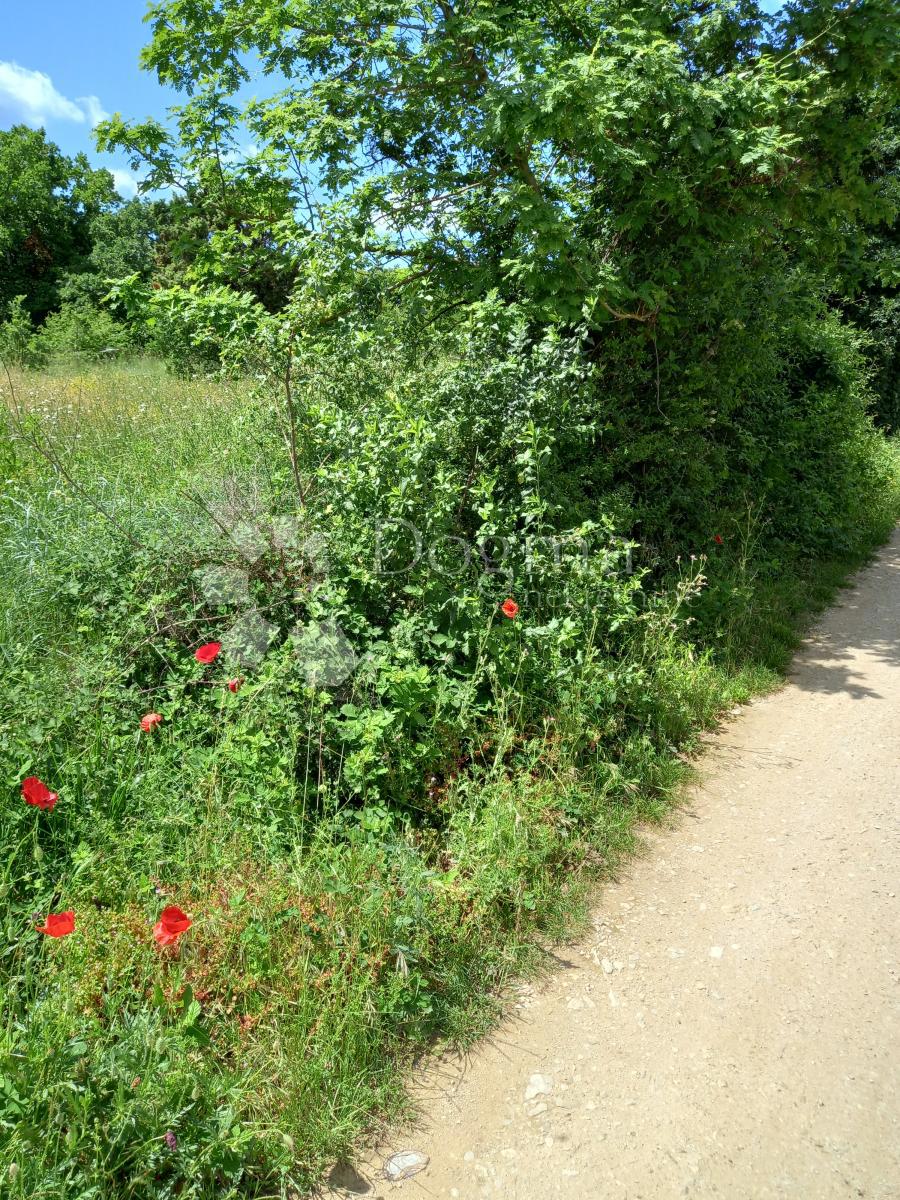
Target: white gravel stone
(405, 1164)
(538, 1085)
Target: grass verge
(336, 933)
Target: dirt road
(731, 1029)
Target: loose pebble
(538, 1085)
(405, 1164)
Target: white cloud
(92, 109)
(31, 97)
(126, 184)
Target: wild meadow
(365, 862)
(387, 508)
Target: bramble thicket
(474, 406)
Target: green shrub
(195, 331)
(84, 332)
(19, 346)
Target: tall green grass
(337, 932)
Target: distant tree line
(66, 234)
(636, 173)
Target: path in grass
(731, 1026)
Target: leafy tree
(687, 184)
(123, 241)
(228, 222)
(870, 281)
(48, 203)
(597, 161)
(234, 229)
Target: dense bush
(18, 344)
(196, 331)
(77, 332)
(82, 331)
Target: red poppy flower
(149, 721)
(234, 685)
(171, 925)
(36, 792)
(58, 924)
(206, 654)
(509, 608)
(719, 539)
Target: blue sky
(64, 63)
